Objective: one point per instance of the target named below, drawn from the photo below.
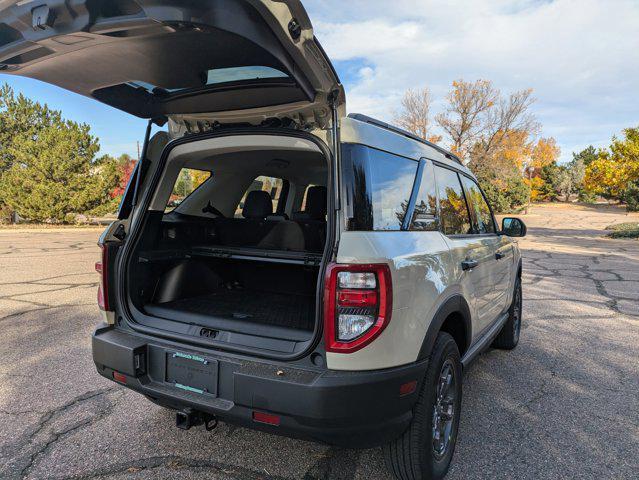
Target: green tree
(505, 195)
(587, 155)
(21, 117)
(54, 174)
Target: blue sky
(579, 56)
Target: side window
(187, 182)
(452, 204)
(378, 186)
(425, 216)
(477, 203)
(271, 185)
(392, 179)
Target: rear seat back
(260, 228)
(250, 230)
(313, 219)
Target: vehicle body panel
(422, 279)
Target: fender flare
(454, 304)
(520, 267)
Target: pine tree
(54, 173)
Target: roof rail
(405, 133)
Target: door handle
(500, 255)
(469, 264)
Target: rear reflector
(408, 388)
(267, 418)
(119, 377)
(357, 298)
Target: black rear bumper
(350, 409)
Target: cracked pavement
(564, 404)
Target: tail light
(102, 268)
(357, 305)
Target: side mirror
(513, 227)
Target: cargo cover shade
(154, 58)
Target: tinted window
(220, 75)
(425, 216)
(452, 204)
(268, 184)
(479, 208)
(378, 187)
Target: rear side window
(480, 210)
(273, 186)
(187, 182)
(378, 187)
(452, 203)
(425, 213)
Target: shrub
(624, 230)
(6, 214)
(631, 197)
(586, 196)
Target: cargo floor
(277, 309)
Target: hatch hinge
(120, 232)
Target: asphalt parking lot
(564, 404)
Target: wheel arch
(520, 268)
(453, 317)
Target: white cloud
(580, 57)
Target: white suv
(275, 263)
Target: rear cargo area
(237, 295)
(238, 257)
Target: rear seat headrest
(316, 202)
(258, 204)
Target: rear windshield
(378, 187)
(218, 76)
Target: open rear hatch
(239, 60)
(196, 63)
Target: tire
(508, 337)
(417, 455)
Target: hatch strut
(333, 97)
(140, 165)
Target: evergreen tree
(21, 117)
(53, 173)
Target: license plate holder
(192, 373)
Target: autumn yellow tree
(543, 153)
(198, 177)
(616, 171)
